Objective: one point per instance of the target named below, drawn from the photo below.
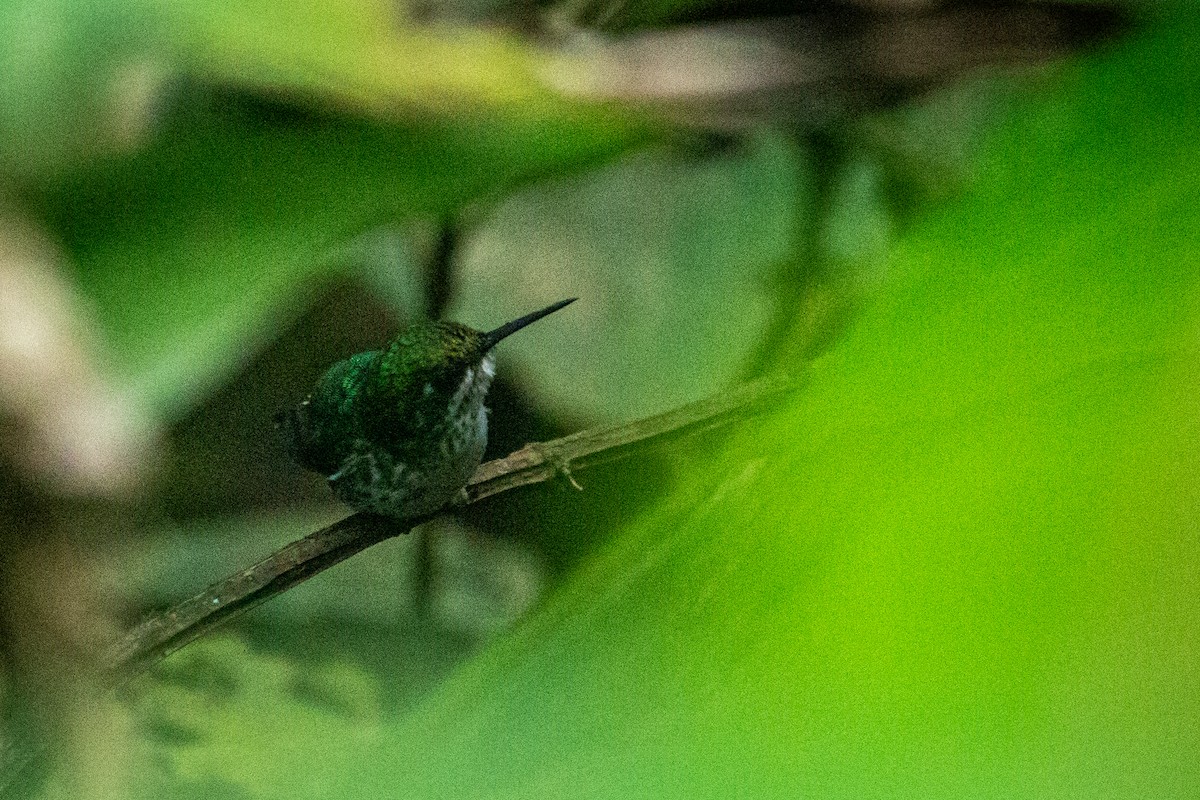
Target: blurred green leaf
(190, 247)
(931, 148)
(962, 564)
(367, 56)
(80, 80)
(346, 653)
(671, 254)
(199, 161)
(859, 230)
(291, 725)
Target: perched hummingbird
(399, 431)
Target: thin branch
(160, 635)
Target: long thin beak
(492, 337)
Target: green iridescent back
(406, 393)
(319, 433)
(396, 399)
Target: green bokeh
(671, 253)
(200, 163)
(963, 563)
(194, 248)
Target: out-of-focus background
(961, 562)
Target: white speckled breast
(371, 479)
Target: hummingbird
(400, 431)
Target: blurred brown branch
(729, 72)
(162, 634)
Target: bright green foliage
(79, 80)
(963, 563)
(960, 563)
(335, 660)
(205, 221)
(221, 701)
(215, 227)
